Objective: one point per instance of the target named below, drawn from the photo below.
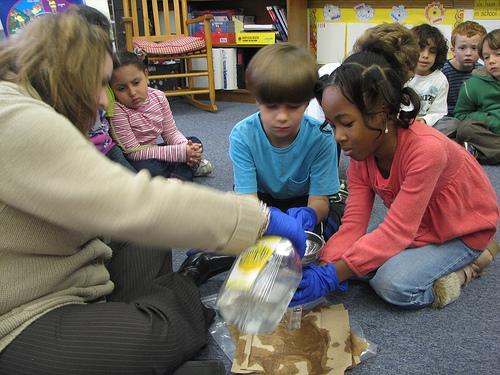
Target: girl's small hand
(194, 153)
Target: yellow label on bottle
(256, 258)
(251, 262)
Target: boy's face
(491, 58)
(130, 85)
(465, 51)
(281, 122)
(427, 58)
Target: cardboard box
(256, 38)
(216, 27)
(219, 38)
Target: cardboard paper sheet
(323, 345)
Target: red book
(277, 24)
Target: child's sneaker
(343, 188)
(342, 195)
(204, 168)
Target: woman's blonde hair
(61, 57)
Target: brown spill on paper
(323, 345)
(288, 344)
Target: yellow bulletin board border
(414, 16)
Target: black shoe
(342, 195)
(202, 266)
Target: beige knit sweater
(58, 194)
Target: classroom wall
(333, 30)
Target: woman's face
(107, 71)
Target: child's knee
(397, 291)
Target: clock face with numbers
(18, 13)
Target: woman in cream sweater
(58, 195)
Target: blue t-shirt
(307, 167)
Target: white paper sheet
(330, 42)
(354, 31)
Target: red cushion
(182, 44)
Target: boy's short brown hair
(493, 39)
(282, 73)
(469, 29)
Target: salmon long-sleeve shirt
(436, 191)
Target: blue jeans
(116, 154)
(406, 279)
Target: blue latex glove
(280, 224)
(316, 282)
(306, 215)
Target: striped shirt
(137, 130)
(455, 79)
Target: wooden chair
(162, 39)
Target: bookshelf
(296, 11)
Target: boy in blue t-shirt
(279, 154)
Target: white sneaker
(204, 168)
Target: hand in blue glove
(306, 215)
(316, 282)
(280, 224)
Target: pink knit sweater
(137, 130)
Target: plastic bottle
(260, 285)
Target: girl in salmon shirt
(442, 209)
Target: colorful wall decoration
(14, 14)
(333, 30)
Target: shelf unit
(296, 11)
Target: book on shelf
(277, 23)
(225, 70)
(219, 15)
(256, 38)
(229, 79)
(217, 57)
(258, 27)
(243, 57)
(281, 15)
(223, 32)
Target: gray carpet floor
(463, 338)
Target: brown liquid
(308, 345)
